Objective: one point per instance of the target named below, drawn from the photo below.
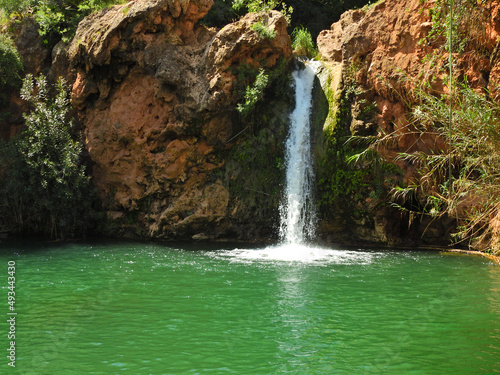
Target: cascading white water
(298, 217)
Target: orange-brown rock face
(234, 46)
(385, 46)
(384, 51)
(381, 44)
(155, 94)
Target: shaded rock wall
(36, 58)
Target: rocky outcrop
(386, 50)
(156, 96)
(233, 47)
(379, 45)
(380, 53)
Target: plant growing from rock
(302, 43)
(262, 7)
(471, 194)
(254, 93)
(264, 30)
(467, 20)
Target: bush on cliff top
(302, 43)
(315, 15)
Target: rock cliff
(380, 53)
(156, 95)
(156, 92)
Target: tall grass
(471, 195)
(467, 19)
(302, 43)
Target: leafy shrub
(461, 179)
(18, 6)
(256, 6)
(302, 42)
(45, 188)
(264, 6)
(473, 160)
(315, 15)
(11, 67)
(254, 93)
(10, 63)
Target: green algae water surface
(143, 308)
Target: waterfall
(297, 211)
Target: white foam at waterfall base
(298, 253)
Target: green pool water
(148, 308)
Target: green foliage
(471, 152)
(254, 169)
(264, 6)
(255, 6)
(10, 63)
(19, 6)
(11, 66)
(349, 171)
(254, 93)
(302, 43)
(346, 185)
(45, 188)
(264, 30)
(318, 15)
(315, 15)
(474, 158)
(338, 180)
(467, 20)
(253, 85)
(58, 19)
